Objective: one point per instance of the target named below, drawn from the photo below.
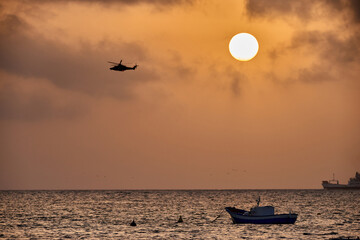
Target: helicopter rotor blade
(113, 63)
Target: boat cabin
(262, 211)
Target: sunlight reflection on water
(107, 214)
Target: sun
(243, 46)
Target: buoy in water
(180, 220)
(133, 223)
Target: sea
(100, 214)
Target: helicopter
(120, 67)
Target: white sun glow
(243, 46)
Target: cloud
(334, 50)
(235, 86)
(354, 5)
(316, 73)
(157, 4)
(237, 81)
(331, 46)
(44, 79)
(302, 9)
(330, 55)
(318, 54)
(10, 24)
(275, 7)
(84, 69)
(177, 65)
(133, 2)
(36, 99)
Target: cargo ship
(333, 184)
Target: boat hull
(341, 188)
(240, 218)
(332, 186)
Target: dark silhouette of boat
(260, 215)
(333, 184)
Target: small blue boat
(260, 215)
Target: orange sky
(190, 116)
